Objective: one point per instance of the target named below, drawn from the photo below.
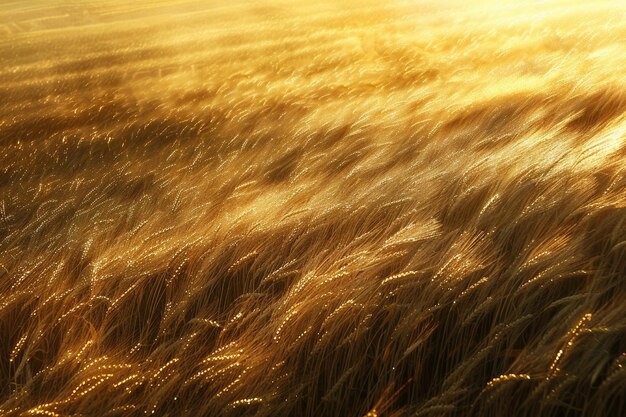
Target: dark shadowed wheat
(364, 208)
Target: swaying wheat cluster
(312, 208)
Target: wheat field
(312, 208)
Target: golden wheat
(329, 208)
